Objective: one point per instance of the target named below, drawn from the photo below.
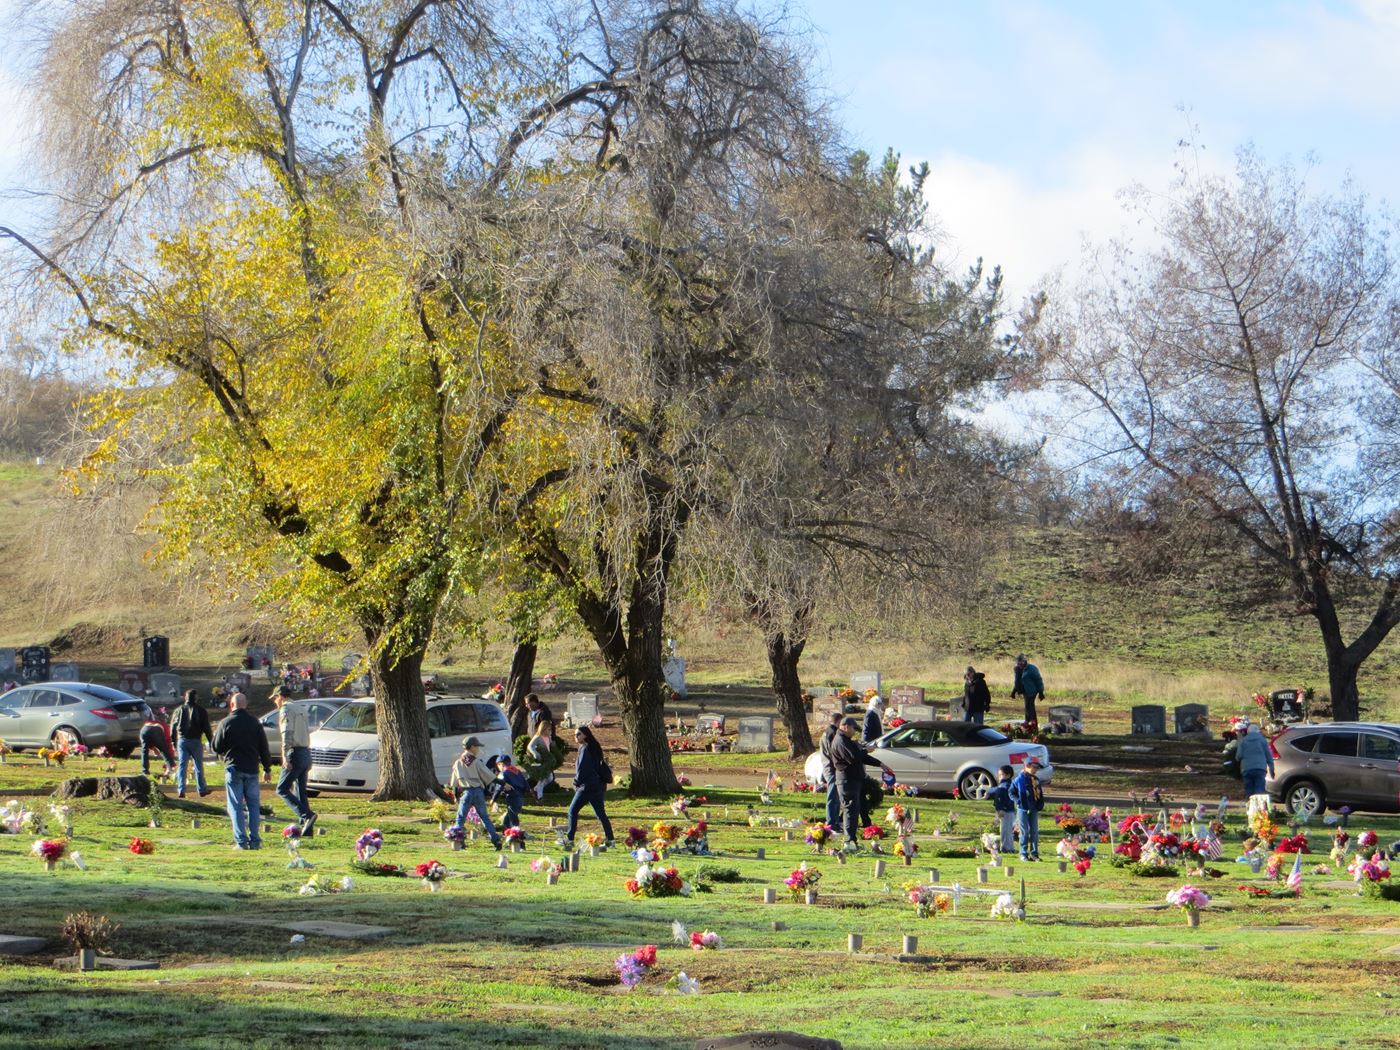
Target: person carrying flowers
(1026, 793)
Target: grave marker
(1067, 716)
(1192, 718)
(134, 681)
(903, 695)
(1149, 720)
(7, 661)
(710, 724)
(165, 686)
(863, 680)
(65, 671)
(755, 735)
(581, 708)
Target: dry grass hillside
(80, 576)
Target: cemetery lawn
(500, 959)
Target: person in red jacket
(155, 736)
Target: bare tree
(1221, 364)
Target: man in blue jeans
(471, 776)
(190, 727)
(243, 745)
(833, 800)
(1025, 792)
(296, 759)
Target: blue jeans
(243, 803)
(593, 797)
(976, 717)
(476, 797)
(850, 792)
(1008, 821)
(833, 806)
(291, 785)
(514, 803)
(1253, 782)
(1029, 822)
(188, 751)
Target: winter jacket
(849, 759)
(872, 728)
(1029, 683)
(241, 742)
(1001, 798)
(827, 771)
(1025, 791)
(538, 715)
(191, 722)
(588, 770)
(510, 787)
(976, 695)
(1254, 754)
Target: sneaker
(180, 794)
(203, 792)
(236, 846)
(497, 843)
(610, 844)
(308, 825)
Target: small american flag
(1295, 878)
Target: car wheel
(975, 784)
(1305, 794)
(65, 735)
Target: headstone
(34, 663)
(755, 734)
(155, 651)
(261, 655)
(1066, 715)
(582, 707)
(350, 661)
(133, 680)
(710, 724)
(767, 1041)
(1192, 718)
(65, 671)
(917, 713)
(7, 661)
(238, 682)
(902, 695)
(1286, 704)
(340, 930)
(957, 709)
(863, 680)
(107, 962)
(825, 706)
(673, 668)
(1149, 720)
(165, 686)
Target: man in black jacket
(243, 745)
(190, 728)
(849, 760)
(977, 697)
(833, 799)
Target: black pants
(849, 790)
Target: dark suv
(1337, 764)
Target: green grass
(499, 959)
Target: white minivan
(345, 750)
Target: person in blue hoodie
(1004, 807)
(591, 779)
(508, 788)
(1026, 793)
(1254, 756)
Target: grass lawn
(501, 959)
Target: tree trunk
(406, 770)
(1343, 662)
(1346, 701)
(642, 691)
(783, 655)
(522, 674)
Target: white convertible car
(941, 756)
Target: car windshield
(352, 718)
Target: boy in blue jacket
(1029, 800)
(1004, 807)
(508, 788)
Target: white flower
(298, 938)
(309, 890)
(687, 985)
(1004, 907)
(643, 875)
(686, 889)
(346, 884)
(679, 934)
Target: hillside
(80, 574)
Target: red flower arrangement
(1082, 865)
(141, 846)
(1297, 844)
(874, 831)
(637, 837)
(1255, 891)
(696, 831)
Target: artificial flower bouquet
(697, 839)
(802, 879)
(707, 940)
(368, 844)
(50, 851)
(906, 847)
(655, 881)
(545, 865)
(432, 872)
(818, 834)
(140, 846)
(633, 966)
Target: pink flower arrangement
(709, 939)
(1374, 870)
(431, 871)
(802, 879)
(818, 834)
(637, 837)
(49, 850)
(292, 831)
(368, 844)
(1366, 840)
(631, 968)
(515, 834)
(1189, 897)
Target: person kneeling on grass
(470, 778)
(1030, 800)
(508, 788)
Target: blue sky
(1034, 114)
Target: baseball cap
(471, 742)
(1034, 762)
(850, 722)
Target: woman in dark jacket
(977, 697)
(590, 786)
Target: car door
(1333, 761)
(906, 752)
(447, 745)
(40, 716)
(945, 758)
(13, 715)
(1378, 760)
